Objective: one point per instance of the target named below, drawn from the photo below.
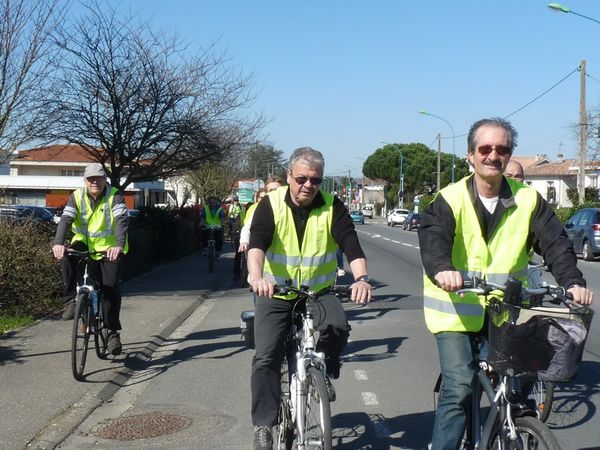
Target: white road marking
(369, 398)
(361, 375)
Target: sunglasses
(315, 181)
(502, 150)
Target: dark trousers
(217, 234)
(272, 322)
(107, 273)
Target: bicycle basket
(544, 343)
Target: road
(385, 397)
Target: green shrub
(30, 281)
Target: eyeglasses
(502, 150)
(315, 181)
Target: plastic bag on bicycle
(536, 343)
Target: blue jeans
(458, 367)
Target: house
(552, 178)
(45, 176)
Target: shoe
(69, 311)
(341, 272)
(263, 438)
(330, 389)
(114, 343)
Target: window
(551, 192)
(71, 172)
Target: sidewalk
(43, 404)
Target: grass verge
(8, 323)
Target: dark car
(583, 228)
(21, 212)
(412, 221)
(357, 217)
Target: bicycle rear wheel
(531, 434)
(101, 334)
(542, 393)
(81, 334)
(285, 424)
(317, 413)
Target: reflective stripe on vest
(314, 264)
(505, 255)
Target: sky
(343, 76)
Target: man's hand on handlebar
(113, 253)
(360, 292)
(262, 287)
(581, 295)
(449, 280)
(58, 251)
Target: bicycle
(89, 316)
(512, 422)
(211, 247)
(304, 411)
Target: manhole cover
(141, 426)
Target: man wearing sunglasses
(295, 233)
(484, 225)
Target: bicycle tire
(285, 425)
(101, 334)
(243, 270)
(531, 433)
(542, 393)
(81, 334)
(211, 258)
(317, 412)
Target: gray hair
(309, 156)
(511, 133)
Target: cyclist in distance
(212, 215)
(97, 215)
(294, 235)
(484, 225)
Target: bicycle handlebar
(483, 287)
(304, 291)
(85, 253)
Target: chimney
(559, 158)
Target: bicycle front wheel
(285, 423)
(542, 393)
(81, 334)
(101, 334)
(317, 412)
(211, 258)
(531, 434)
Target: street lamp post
(562, 8)
(427, 113)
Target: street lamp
(427, 113)
(562, 8)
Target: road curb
(60, 427)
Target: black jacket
(546, 235)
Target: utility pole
(582, 135)
(439, 155)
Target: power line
(543, 93)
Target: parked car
(396, 216)
(367, 211)
(357, 217)
(412, 221)
(56, 213)
(583, 228)
(35, 213)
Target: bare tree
(25, 54)
(209, 179)
(138, 104)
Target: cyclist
(484, 225)
(97, 214)
(294, 235)
(212, 215)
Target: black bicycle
(89, 315)
(211, 246)
(304, 411)
(525, 343)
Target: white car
(396, 216)
(367, 211)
